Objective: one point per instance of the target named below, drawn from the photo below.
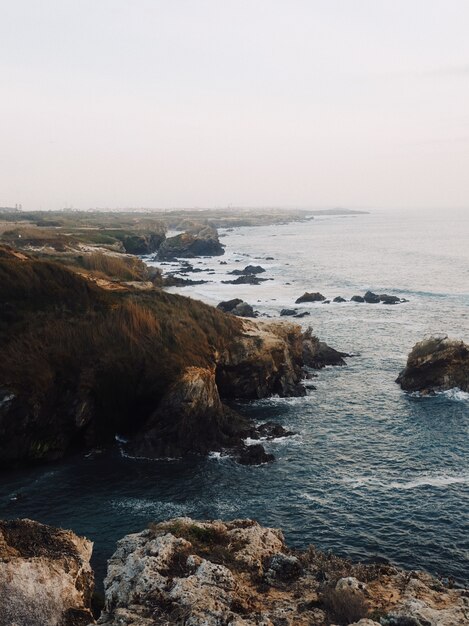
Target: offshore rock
(239, 573)
(371, 298)
(310, 297)
(45, 576)
(436, 364)
(249, 269)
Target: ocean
(371, 471)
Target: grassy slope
(64, 341)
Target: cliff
(81, 363)
(239, 573)
(436, 364)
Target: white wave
(155, 507)
(451, 394)
(425, 480)
(456, 394)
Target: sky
(205, 103)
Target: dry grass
(62, 337)
(117, 267)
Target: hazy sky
(162, 103)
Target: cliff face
(436, 364)
(265, 359)
(45, 576)
(239, 573)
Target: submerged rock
(285, 312)
(310, 297)
(339, 299)
(357, 299)
(45, 576)
(239, 573)
(254, 455)
(436, 364)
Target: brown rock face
(190, 418)
(239, 573)
(436, 364)
(266, 359)
(45, 576)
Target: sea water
(371, 471)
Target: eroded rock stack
(436, 364)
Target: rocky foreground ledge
(436, 364)
(186, 572)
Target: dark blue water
(372, 471)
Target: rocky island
(436, 364)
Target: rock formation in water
(204, 242)
(310, 297)
(45, 576)
(241, 574)
(436, 364)
(249, 269)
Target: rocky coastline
(209, 573)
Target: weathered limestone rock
(241, 574)
(45, 576)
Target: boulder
(310, 297)
(302, 314)
(371, 298)
(249, 269)
(243, 309)
(45, 576)
(339, 299)
(436, 364)
(357, 299)
(285, 312)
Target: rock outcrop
(241, 574)
(204, 242)
(317, 354)
(265, 360)
(436, 364)
(45, 576)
